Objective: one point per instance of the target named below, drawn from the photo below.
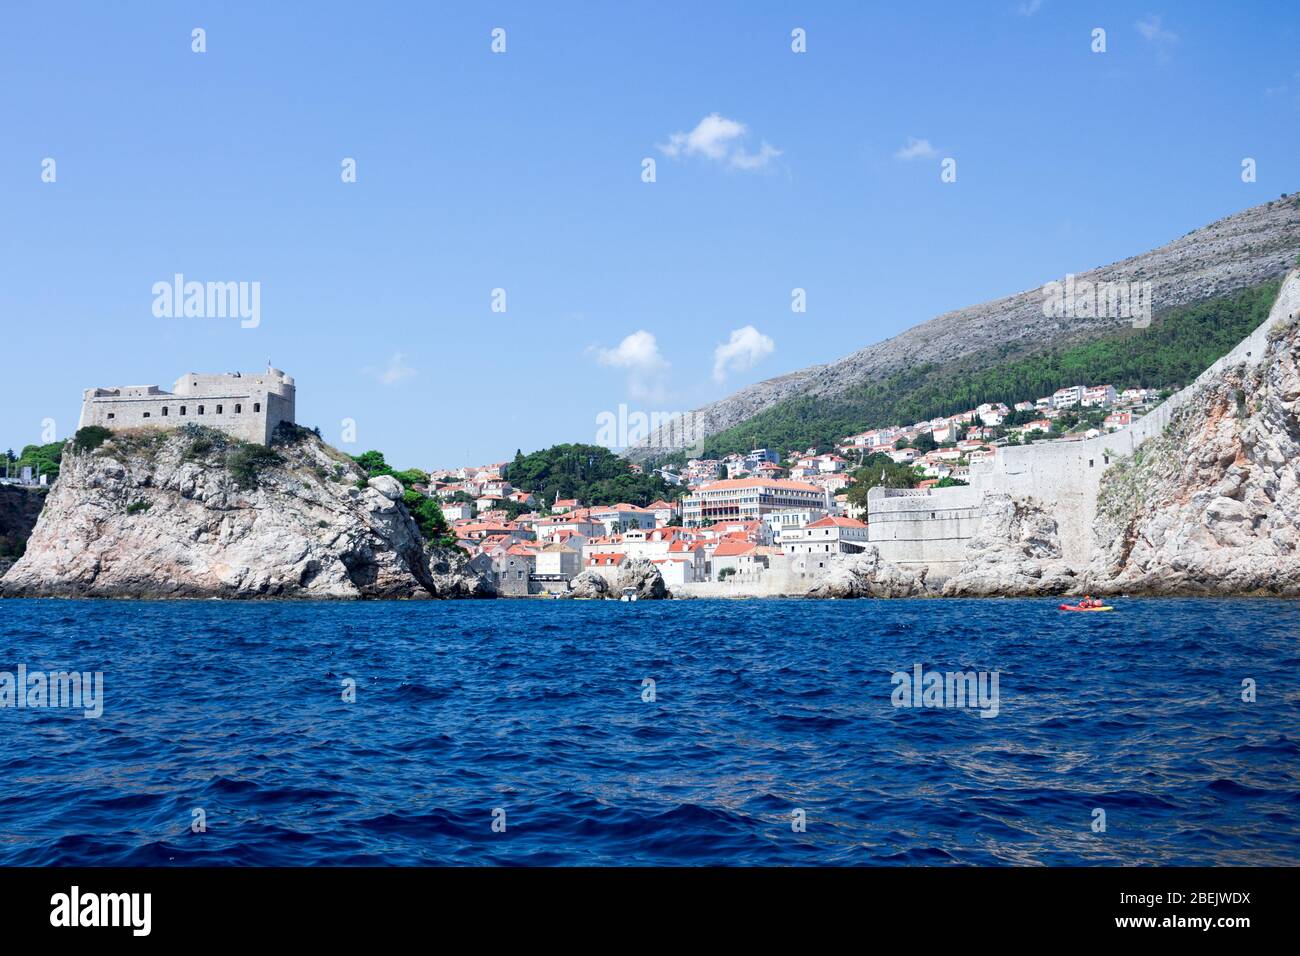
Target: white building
(1099, 396)
(457, 510)
(788, 519)
(557, 562)
(1065, 397)
(620, 517)
(829, 535)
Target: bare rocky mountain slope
(1234, 253)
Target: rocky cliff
(1015, 552)
(1242, 250)
(20, 506)
(192, 513)
(639, 576)
(1212, 505)
(865, 575)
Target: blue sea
(527, 732)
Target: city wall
(932, 527)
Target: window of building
(146, 414)
(218, 409)
(200, 409)
(257, 406)
(182, 409)
(238, 409)
(110, 414)
(164, 411)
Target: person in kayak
(1089, 602)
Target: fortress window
(164, 411)
(146, 414)
(110, 414)
(200, 409)
(257, 406)
(238, 409)
(182, 409)
(1090, 462)
(218, 409)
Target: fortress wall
(930, 527)
(1063, 476)
(148, 413)
(263, 401)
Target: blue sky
(523, 171)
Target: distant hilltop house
(246, 405)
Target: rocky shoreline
(192, 514)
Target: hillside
(193, 513)
(876, 384)
(1178, 346)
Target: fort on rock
(246, 405)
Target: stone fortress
(931, 528)
(246, 405)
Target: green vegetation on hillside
(246, 460)
(42, 459)
(424, 509)
(1179, 345)
(591, 473)
(880, 471)
(90, 437)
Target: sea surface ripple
(761, 708)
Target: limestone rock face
(589, 585)
(641, 575)
(1015, 552)
(453, 577)
(1212, 506)
(187, 514)
(865, 575)
(388, 486)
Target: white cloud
(746, 348)
(1030, 7)
(1153, 29)
(639, 354)
(638, 351)
(916, 149)
(394, 372)
(741, 159)
(720, 139)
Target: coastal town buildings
(743, 521)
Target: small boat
(1075, 607)
(629, 594)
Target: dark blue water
(762, 708)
